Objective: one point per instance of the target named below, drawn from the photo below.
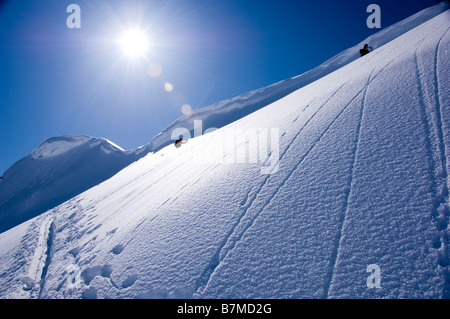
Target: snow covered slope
(45, 183)
(228, 111)
(361, 179)
(55, 171)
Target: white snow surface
(64, 166)
(361, 179)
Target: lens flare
(186, 109)
(134, 43)
(154, 70)
(168, 87)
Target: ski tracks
(343, 217)
(432, 117)
(38, 255)
(338, 239)
(250, 213)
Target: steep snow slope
(55, 171)
(225, 112)
(45, 184)
(360, 177)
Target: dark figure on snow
(365, 50)
(179, 141)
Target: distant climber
(365, 50)
(179, 141)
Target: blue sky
(57, 81)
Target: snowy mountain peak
(59, 145)
(58, 169)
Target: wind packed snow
(361, 178)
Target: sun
(134, 43)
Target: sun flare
(134, 43)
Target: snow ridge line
(344, 212)
(230, 241)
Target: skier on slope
(365, 50)
(179, 141)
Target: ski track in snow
(442, 201)
(344, 214)
(239, 229)
(31, 260)
(42, 255)
(444, 204)
(432, 119)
